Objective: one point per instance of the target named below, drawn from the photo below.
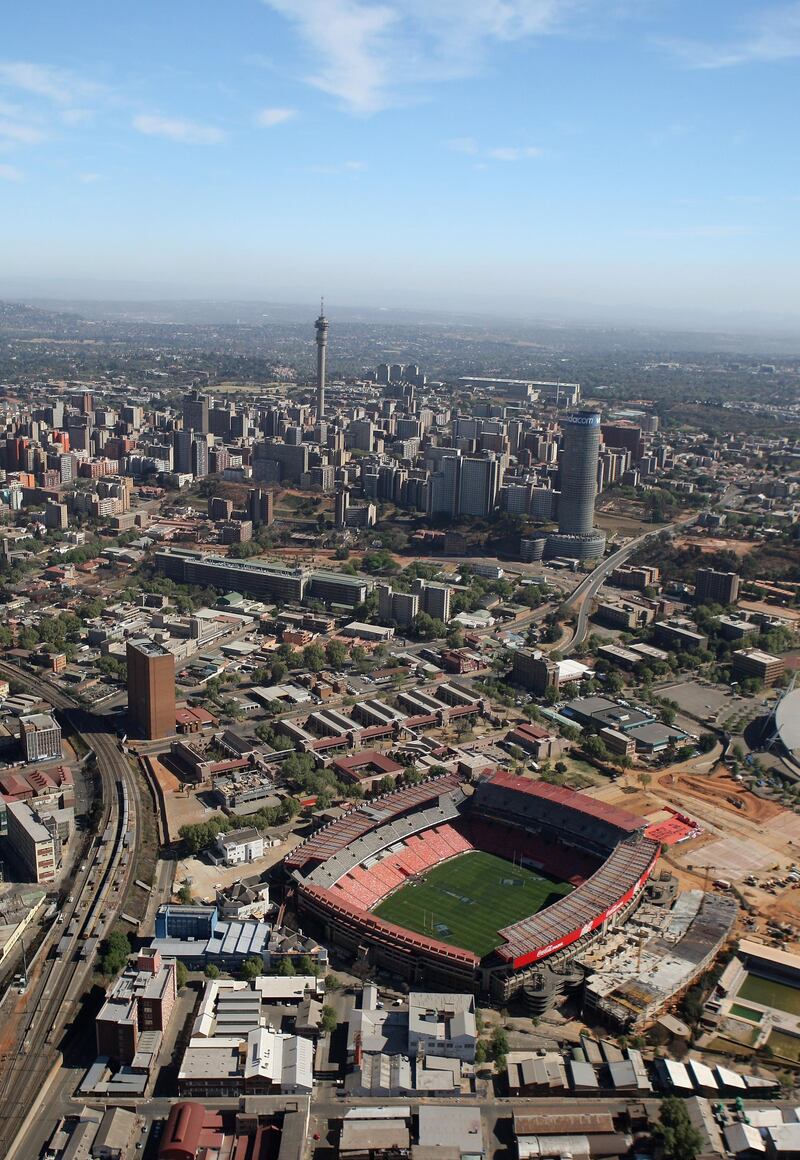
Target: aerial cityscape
(399, 699)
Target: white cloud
(20, 132)
(275, 116)
(773, 36)
(59, 86)
(370, 53)
(513, 153)
(470, 147)
(466, 145)
(340, 167)
(10, 173)
(176, 129)
(89, 178)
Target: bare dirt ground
(183, 809)
(205, 877)
(761, 838)
(739, 548)
(718, 788)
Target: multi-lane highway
(60, 977)
(589, 587)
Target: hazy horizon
(568, 159)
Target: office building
(538, 672)
(259, 579)
(261, 507)
(141, 1000)
(443, 487)
(34, 839)
(361, 434)
(275, 461)
(577, 537)
(151, 689)
(478, 484)
(400, 607)
(195, 412)
(40, 737)
(716, 587)
(752, 662)
(433, 599)
(341, 504)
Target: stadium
(491, 888)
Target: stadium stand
(345, 870)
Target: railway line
(98, 890)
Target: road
(58, 985)
(588, 588)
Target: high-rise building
(341, 504)
(321, 327)
(182, 451)
(195, 412)
(577, 537)
(719, 587)
(443, 489)
(433, 599)
(261, 507)
(361, 433)
(151, 689)
(478, 484)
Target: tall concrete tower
(577, 537)
(321, 327)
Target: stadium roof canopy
(787, 720)
(622, 819)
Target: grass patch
(746, 1013)
(770, 994)
(466, 900)
(785, 1046)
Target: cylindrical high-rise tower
(321, 327)
(581, 436)
(577, 536)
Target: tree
(499, 1047)
(314, 658)
(278, 671)
(336, 654)
(329, 1022)
(593, 746)
(481, 1051)
(286, 969)
(115, 953)
(680, 1138)
(212, 971)
(181, 975)
(185, 894)
(252, 967)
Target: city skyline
(553, 158)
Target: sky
(525, 157)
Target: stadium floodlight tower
(321, 327)
(577, 537)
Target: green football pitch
(466, 900)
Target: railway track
(97, 898)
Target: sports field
(466, 901)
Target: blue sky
(506, 155)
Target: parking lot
(712, 703)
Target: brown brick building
(151, 690)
